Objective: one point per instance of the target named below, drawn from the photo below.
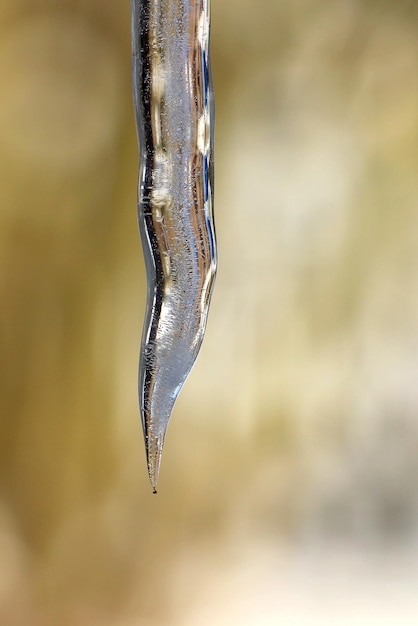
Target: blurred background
(288, 492)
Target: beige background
(288, 488)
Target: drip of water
(174, 113)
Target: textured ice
(174, 113)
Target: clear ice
(173, 99)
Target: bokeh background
(288, 493)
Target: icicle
(174, 113)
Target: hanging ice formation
(174, 113)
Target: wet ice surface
(173, 105)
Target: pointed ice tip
(154, 447)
